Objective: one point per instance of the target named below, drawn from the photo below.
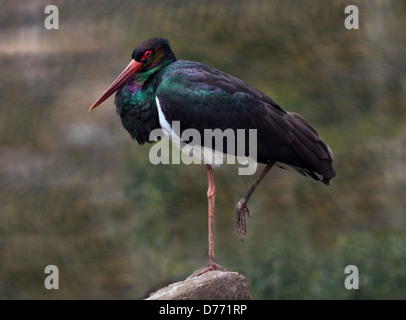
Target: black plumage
(201, 97)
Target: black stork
(156, 90)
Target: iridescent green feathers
(135, 101)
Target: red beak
(132, 68)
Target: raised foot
(240, 211)
(210, 267)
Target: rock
(213, 285)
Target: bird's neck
(141, 77)
(135, 84)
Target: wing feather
(202, 97)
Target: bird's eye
(146, 55)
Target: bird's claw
(213, 266)
(241, 210)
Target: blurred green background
(78, 193)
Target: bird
(156, 90)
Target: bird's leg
(242, 209)
(211, 197)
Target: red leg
(242, 209)
(211, 197)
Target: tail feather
(316, 155)
(303, 172)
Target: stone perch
(213, 285)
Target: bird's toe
(213, 266)
(240, 212)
